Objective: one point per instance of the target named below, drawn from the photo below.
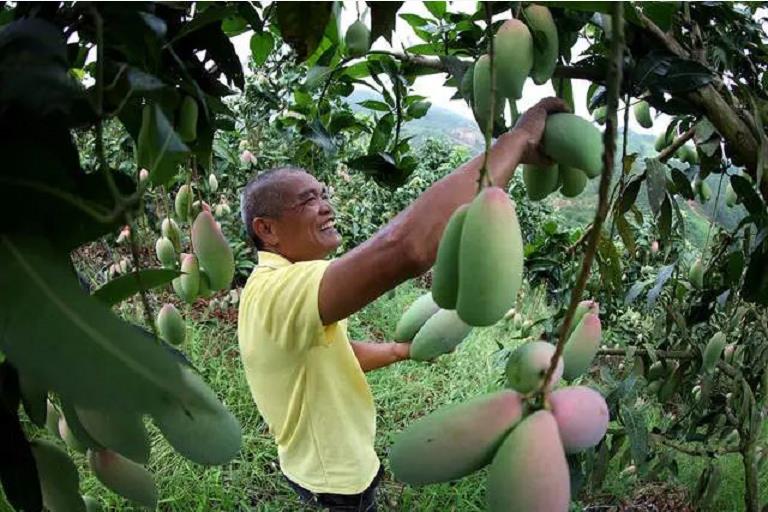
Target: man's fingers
(553, 105)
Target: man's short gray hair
(263, 196)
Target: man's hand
(532, 124)
(374, 355)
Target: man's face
(305, 230)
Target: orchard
(595, 334)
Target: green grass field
(402, 392)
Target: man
(304, 374)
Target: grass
(403, 392)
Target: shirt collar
(271, 259)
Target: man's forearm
(378, 355)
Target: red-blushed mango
(529, 472)
(513, 53)
(188, 119)
(582, 308)
(696, 274)
(582, 346)
(190, 279)
(66, 435)
(414, 317)
(170, 325)
(58, 477)
(124, 477)
(213, 251)
(357, 39)
(165, 252)
(170, 229)
(183, 202)
(540, 181)
(445, 277)
(712, 352)
(92, 504)
(642, 113)
(456, 440)
(573, 141)
(582, 417)
(573, 181)
(441, 333)
(546, 45)
(528, 364)
(118, 430)
(490, 259)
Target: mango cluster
(576, 146)
(524, 445)
(433, 331)
(479, 265)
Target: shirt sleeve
(290, 307)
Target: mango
(702, 189)
(582, 308)
(540, 181)
(440, 334)
(513, 49)
(456, 440)
(712, 352)
(415, 316)
(687, 154)
(642, 112)
(171, 231)
(581, 347)
(165, 252)
(481, 93)
(213, 183)
(358, 39)
(696, 274)
(205, 286)
(445, 277)
(528, 364)
(599, 114)
(52, 416)
(529, 471)
(92, 504)
(72, 442)
(187, 128)
(213, 251)
(170, 325)
(117, 430)
(546, 45)
(582, 417)
(190, 279)
(183, 202)
(124, 477)
(574, 142)
(59, 480)
(731, 198)
(573, 180)
(490, 259)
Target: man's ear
(264, 228)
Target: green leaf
(755, 287)
(123, 287)
(626, 234)
(637, 433)
(383, 19)
(261, 46)
(419, 109)
(436, 8)
(425, 49)
(316, 132)
(301, 35)
(82, 350)
(382, 134)
(414, 20)
(214, 13)
(665, 220)
(630, 195)
(185, 428)
(375, 105)
(662, 277)
(661, 13)
(160, 150)
(746, 192)
(34, 397)
(656, 181)
(382, 168)
(635, 290)
(682, 184)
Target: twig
(488, 128)
(697, 452)
(670, 150)
(609, 142)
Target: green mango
(415, 316)
(441, 334)
(445, 277)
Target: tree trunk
(751, 497)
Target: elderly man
(304, 373)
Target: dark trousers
(363, 502)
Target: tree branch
(670, 150)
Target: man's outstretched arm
(407, 245)
(372, 356)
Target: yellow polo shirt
(305, 379)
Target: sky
(431, 86)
